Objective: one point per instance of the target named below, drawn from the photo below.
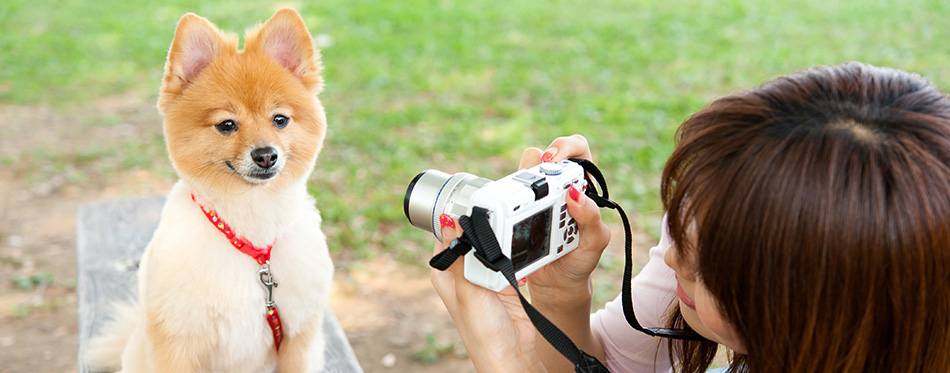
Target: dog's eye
(226, 127)
(281, 121)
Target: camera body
(527, 212)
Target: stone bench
(110, 238)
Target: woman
(808, 228)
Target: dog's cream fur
(201, 305)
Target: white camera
(527, 211)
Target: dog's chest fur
(215, 289)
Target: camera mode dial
(551, 168)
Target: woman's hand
(497, 333)
(562, 290)
(568, 277)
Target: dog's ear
(284, 37)
(197, 43)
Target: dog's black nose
(264, 157)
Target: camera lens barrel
(433, 193)
(421, 197)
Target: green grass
(466, 86)
(434, 350)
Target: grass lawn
(466, 86)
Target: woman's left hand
(497, 333)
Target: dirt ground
(393, 326)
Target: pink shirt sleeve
(654, 289)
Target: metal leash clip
(268, 282)
(273, 317)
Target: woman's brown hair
(821, 203)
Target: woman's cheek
(708, 312)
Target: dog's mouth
(253, 174)
(264, 174)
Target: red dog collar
(262, 255)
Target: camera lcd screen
(531, 239)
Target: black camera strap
(602, 200)
(478, 235)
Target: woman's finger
(444, 281)
(530, 158)
(574, 146)
(451, 230)
(593, 231)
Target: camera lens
(433, 193)
(420, 197)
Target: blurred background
(410, 85)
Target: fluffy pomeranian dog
(243, 130)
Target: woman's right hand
(562, 289)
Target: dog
(237, 274)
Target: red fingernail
(446, 221)
(574, 193)
(522, 282)
(548, 156)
